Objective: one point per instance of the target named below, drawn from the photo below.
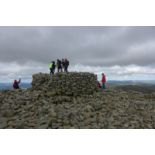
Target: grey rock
(73, 100)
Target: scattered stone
(73, 100)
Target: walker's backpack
(50, 65)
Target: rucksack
(50, 65)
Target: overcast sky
(123, 53)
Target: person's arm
(19, 81)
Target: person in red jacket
(16, 84)
(103, 81)
(99, 85)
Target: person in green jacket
(52, 67)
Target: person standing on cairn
(52, 67)
(63, 65)
(66, 65)
(59, 65)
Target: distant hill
(130, 82)
(139, 88)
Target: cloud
(130, 72)
(27, 50)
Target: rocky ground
(45, 109)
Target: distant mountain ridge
(110, 83)
(139, 88)
(131, 82)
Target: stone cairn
(70, 84)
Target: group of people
(62, 66)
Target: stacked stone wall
(70, 84)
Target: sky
(122, 53)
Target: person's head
(103, 74)
(15, 81)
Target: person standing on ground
(59, 65)
(66, 65)
(16, 84)
(103, 81)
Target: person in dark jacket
(66, 65)
(59, 65)
(16, 84)
(63, 65)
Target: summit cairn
(70, 84)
